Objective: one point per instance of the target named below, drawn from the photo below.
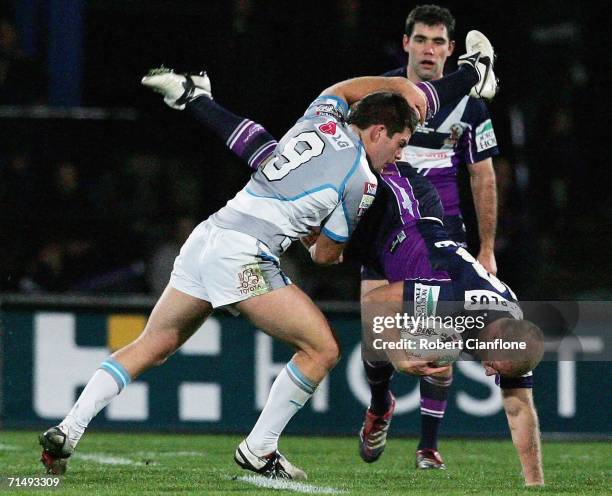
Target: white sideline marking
(168, 453)
(108, 460)
(287, 485)
(8, 447)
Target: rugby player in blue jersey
(322, 175)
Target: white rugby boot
(178, 89)
(481, 56)
(272, 466)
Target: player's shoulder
(399, 72)
(477, 107)
(327, 106)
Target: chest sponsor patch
(456, 133)
(485, 136)
(328, 109)
(333, 133)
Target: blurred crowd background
(100, 183)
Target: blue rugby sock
(447, 89)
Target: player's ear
(376, 132)
(405, 41)
(451, 47)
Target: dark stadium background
(101, 203)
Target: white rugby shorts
(222, 266)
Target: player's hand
(487, 260)
(419, 367)
(416, 99)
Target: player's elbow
(325, 258)
(326, 255)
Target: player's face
(428, 47)
(383, 149)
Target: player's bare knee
(328, 355)
(160, 345)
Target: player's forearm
(524, 426)
(484, 192)
(353, 90)
(326, 251)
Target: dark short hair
(430, 15)
(384, 107)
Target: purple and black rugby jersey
(386, 241)
(459, 134)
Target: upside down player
(517, 401)
(459, 285)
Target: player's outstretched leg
(475, 76)
(481, 56)
(289, 315)
(247, 139)
(434, 395)
(174, 319)
(373, 432)
(177, 89)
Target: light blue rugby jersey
(318, 175)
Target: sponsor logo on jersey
(456, 132)
(251, 280)
(485, 136)
(370, 189)
(483, 299)
(399, 239)
(425, 300)
(328, 128)
(422, 128)
(369, 192)
(426, 158)
(329, 110)
(333, 133)
(252, 130)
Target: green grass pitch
(133, 463)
